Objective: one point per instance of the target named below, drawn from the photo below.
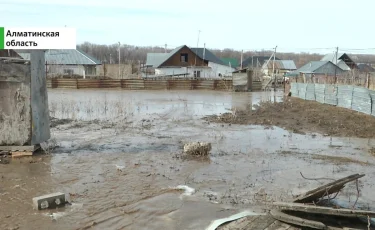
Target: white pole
(241, 58)
(119, 56)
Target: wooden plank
(21, 154)
(238, 224)
(29, 148)
(296, 220)
(278, 225)
(260, 223)
(327, 189)
(323, 210)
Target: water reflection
(112, 104)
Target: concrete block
(50, 201)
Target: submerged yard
(118, 153)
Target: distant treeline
(136, 54)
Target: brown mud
(302, 117)
(119, 154)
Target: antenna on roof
(195, 63)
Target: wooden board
(29, 148)
(261, 222)
(21, 154)
(297, 220)
(322, 210)
(327, 189)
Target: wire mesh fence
(356, 98)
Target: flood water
(142, 133)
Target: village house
(256, 61)
(67, 62)
(316, 70)
(279, 67)
(342, 60)
(189, 62)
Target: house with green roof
(233, 62)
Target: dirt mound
(302, 116)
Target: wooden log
(297, 220)
(326, 190)
(21, 154)
(323, 210)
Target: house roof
(282, 64)
(342, 60)
(157, 59)
(64, 57)
(253, 61)
(207, 55)
(365, 68)
(233, 62)
(310, 67)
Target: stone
(50, 201)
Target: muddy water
(142, 133)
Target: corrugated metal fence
(351, 97)
(141, 84)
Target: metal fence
(346, 96)
(141, 84)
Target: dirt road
(142, 134)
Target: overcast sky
(292, 25)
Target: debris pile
(316, 209)
(197, 148)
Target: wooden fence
(140, 84)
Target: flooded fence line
(140, 84)
(356, 98)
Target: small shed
(24, 114)
(243, 81)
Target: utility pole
(165, 49)
(337, 51)
(241, 58)
(273, 68)
(195, 62)
(119, 56)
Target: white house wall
(60, 69)
(212, 71)
(220, 69)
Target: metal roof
(208, 55)
(282, 64)
(65, 57)
(342, 60)
(308, 68)
(332, 57)
(233, 62)
(157, 59)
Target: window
(68, 71)
(184, 57)
(197, 74)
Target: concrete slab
(50, 201)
